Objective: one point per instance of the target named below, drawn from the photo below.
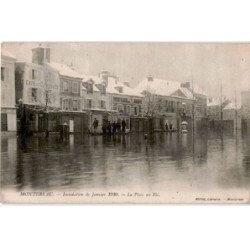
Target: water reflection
(125, 161)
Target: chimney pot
(150, 78)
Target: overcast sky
(208, 64)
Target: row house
(200, 100)
(37, 87)
(126, 102)
(8, 107)
(166, 102)
(71, 99)
(95, 101)
(51, 90)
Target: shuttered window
(2, 73)
(4, 124)
(75, 104)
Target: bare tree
(152, 106)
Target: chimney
(104, 75)
(40, 55)
(150, 78)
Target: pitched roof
(158, 86)
(96, 79)
(186, 93)
(232, 105)
(113, 87)
(64, 70)
(218, 102)
(7, 54)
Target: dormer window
(103, 90)
(119, 89)
(90, 88)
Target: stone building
(166, 102)
(127, 103)
(8, 99)
(71, 99)
(37, 87)
(95, 101)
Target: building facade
(38, 89)
(166, 102)
(126, 103)
(245, 110)
(95, 101)
(8, 98)
(72, 99)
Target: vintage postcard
(131, 123)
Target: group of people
(109, 128)
(169, 127)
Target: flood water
(210, 160)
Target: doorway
(71, 126)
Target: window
(103, 90)
(89, 104)
(139, 109)
(138, 101)
(89, 88)
(2, 73)
(136, 111)
(75, 87)
(4, 122)
(128, 110)
(124, 100)
(75, 104)
(167, 106)
(35, 74)
(172, 106)
(65, 104)
(34, 95)
(116, 99)
(70, 86)
(65, 86)
(120, 108)
(103, 105)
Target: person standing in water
(123, 125)
(95, 125)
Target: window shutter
(39, 95)
(79, 104)
(70, 104)
(29, 94)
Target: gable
(179, 93)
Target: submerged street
(167, 160)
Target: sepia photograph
(125, 122)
